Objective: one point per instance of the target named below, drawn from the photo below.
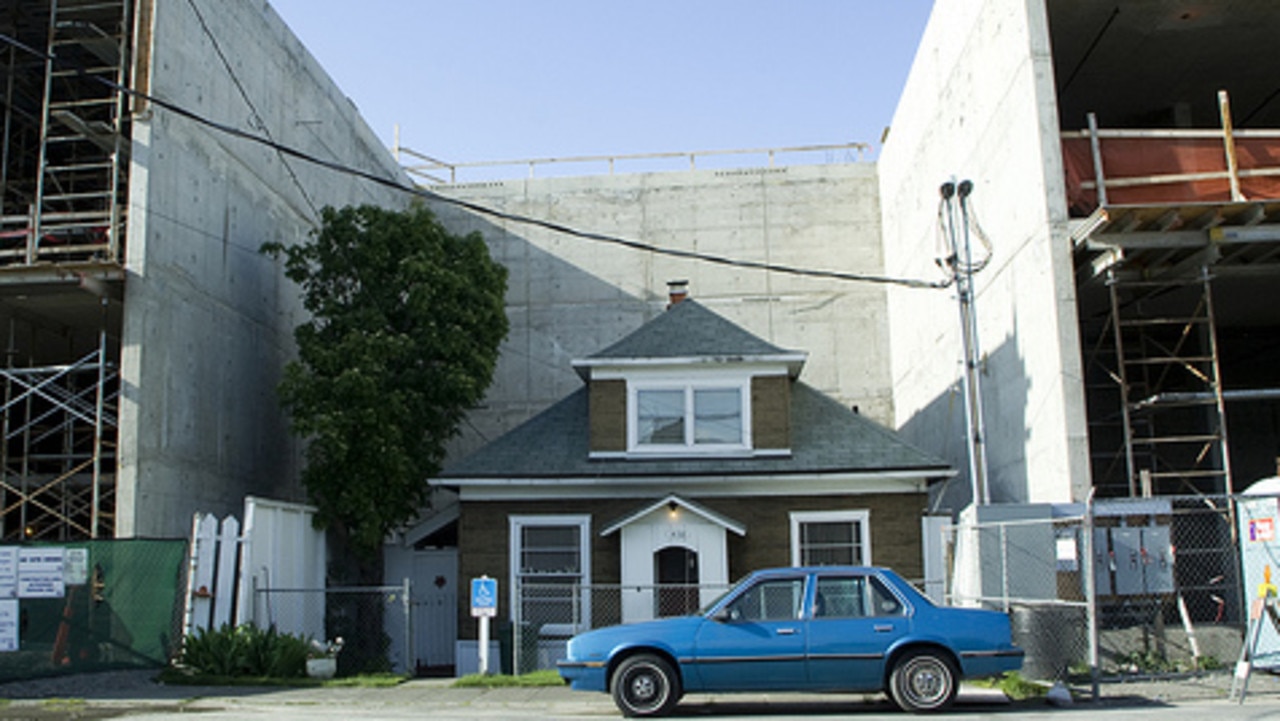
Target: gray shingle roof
(685, 330)
(827, 438)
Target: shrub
(245, 651)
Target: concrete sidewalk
(124, 694)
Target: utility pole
(962, 268)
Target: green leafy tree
(406, 319)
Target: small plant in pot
(322, 658)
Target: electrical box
(1143, 561)
(1157, 555)
(1126, 543)
(1102, 562)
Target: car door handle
(786, 632)
(883, 627)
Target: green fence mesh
(127, 612)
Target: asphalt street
(132, 695)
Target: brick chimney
(677, 290)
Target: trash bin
(528, 647)
(1053, 638)
(504, 647)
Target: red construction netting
(1143, 157)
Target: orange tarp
(1143, 157)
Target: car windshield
(706, 608)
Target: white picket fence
(277, 548)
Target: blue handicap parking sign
(484, 596)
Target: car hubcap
(927, 682)
(643, 688)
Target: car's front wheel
(645, 685)
(923, 681)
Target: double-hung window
(830, 538)
(674, 418)
(550, 558)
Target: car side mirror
(722, 615)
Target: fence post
(1004, 565)
(407, 605)
(517, 624)
(576, 616)
(1091, 595)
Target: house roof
(674, 501)
(688, 331)
(826, 438)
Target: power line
(244, 94)
(395, 184)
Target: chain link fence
(89, 606)
(1163, 575)
(374, 622)
(547, 614)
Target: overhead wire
(482, 209)
(258, 122)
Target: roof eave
(794, 361)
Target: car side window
(883, 602)
(839, 597)
(853, 597)
(772, 600)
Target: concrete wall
(208, 320)
(570, 297)
(979, 104)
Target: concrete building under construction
(1124, 158)
(1127, 321)
(143, 332)
(1123, 164)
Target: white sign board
(8, 571)
(75, 570)
(8, 624)
(40, 573)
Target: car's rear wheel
(645, 685)
(923, 680)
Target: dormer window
(672, 417)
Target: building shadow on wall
(939, 428)
(558, 312)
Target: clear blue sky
(472, 80)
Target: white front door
(675, 569)
(435, 604)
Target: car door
(855, 620)
(757, 640)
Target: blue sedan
(826, 628)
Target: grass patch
(174, 676)
(366, 680)
(62, 704)
(545, 677)
(1015, 686)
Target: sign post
(484, 606)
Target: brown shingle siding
(607, 410)
(484, 543)
(771, 412)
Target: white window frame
(515, 525)
(860, 516)
(687, 386)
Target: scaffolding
(63, 193)
(1166, 370)
(67, 204)
(1164, 233)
